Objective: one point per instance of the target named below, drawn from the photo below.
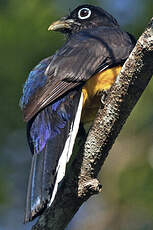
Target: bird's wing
(81, 56)
(35, 82)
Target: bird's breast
(92, 89)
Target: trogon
(64, 91)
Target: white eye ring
(84, 17)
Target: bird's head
(83, 17)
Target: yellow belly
(92, 89)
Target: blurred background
(126, 201)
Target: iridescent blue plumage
(35, 81)
(49, 123)
(47, 134)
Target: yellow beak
(61, 24)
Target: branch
(80, 182)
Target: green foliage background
(127, 198)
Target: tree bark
(81, 181)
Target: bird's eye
(84, 13)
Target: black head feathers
(84, 17)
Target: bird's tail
(51, 136)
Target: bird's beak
(61, 24)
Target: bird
(64, 91)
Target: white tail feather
(68, 148)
